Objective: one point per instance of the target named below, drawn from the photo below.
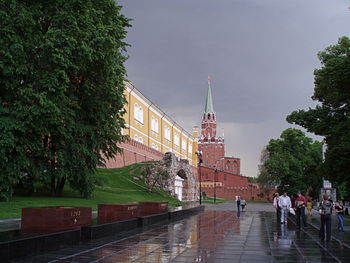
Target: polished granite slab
(211, 236)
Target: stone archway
(181, 185)
(181, 177)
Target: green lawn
(210, 200)
(258, 202)
(119, 185)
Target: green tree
(292, 162)
(61, 77)
(331, 117)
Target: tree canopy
(331, 117)
(291, 162)
(61, 77)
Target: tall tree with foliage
(292, 162)
(331, 117)
(61, 77)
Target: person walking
(243, 204)
(238, 200)
(325, 210)
(284, 203)
(299, 207)
(339, 209)
(276, 206)
(309, 208)
(292, 199)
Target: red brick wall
(211, 153)
(233, 185)
(133, 152)
(232, 165)
(249, 192)
(228, 179)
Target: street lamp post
(215, 179)
(200, 160)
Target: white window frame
(136, 111)
(176, 139)
(140, 114)
(155, 126)
(167, 133)
(190, 148)
(140, 139)
(136, 137)
(184, 144)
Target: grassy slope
(118, 186)
(210, 200)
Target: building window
(167, 133)
(140, 139)
(177, 140)
(138, 113)
(190, 148)
(136, 138)
(184, 144)
(155, 125)
(228, 166)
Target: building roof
(209, 108)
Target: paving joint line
(316, 241)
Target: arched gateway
(182, 179)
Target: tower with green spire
(208, 127)
(212, 147)
(209, 108)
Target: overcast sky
(260, 55)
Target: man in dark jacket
(325, 210)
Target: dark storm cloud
(260, 54)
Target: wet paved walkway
(216, 235)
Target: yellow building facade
(149, 125)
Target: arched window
(136, 138)
(184, 144)
(136, 111)
(140, 139)
(228, 165)
(155, 125)
(140, 114)
(235, 165)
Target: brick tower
(212, 146)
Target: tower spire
(209, 108)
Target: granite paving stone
(219, 234)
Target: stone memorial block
(116, 212)
(150, 208)
(55, 218)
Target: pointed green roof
(209, 108)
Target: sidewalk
(218, 235)
(341, 237)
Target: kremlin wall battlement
(133, 152)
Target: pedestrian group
(296, 206)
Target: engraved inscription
(75, 213)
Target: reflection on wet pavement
(212, 236)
